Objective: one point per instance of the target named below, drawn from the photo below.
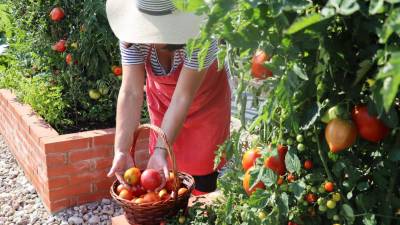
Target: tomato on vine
(331, 204)
(369, 127)
(249, 158)
(291, 177)
(258, 70)
(311, 198)
(329, 186)
(246, 183)
(308, 164)
(340, 134)
(57, 14)
(336, 197)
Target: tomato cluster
(341, 134)
(142, 186)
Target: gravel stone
(21, 205)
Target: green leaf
(369, 219)
(365, 66)
(189, 6)
(269, 178)
(348, 213)
(390, 73)
(292, 161)
(299, 72)
(283, 204)
(344, 7)
(392, 24)
(363, 186)
(376, 6)
(297, 188)
(304, 22)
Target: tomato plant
(326, 57)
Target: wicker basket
(154, 213)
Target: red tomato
(117, 70)
(151, 197)
(258, 70)
(311, 198)
(275, 164)
(137, 191)
(57, 14)
(280, 180)
(246, 184)
(291, 177)
(329, 186)
(282, 150)
(249, 158)
(126, 194)
(150, 179)
(308, 164)
(340, 134)
(68, 59)
(292, 223)
(132, 176)
(59, 46)
(369, 126)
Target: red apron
(207, 123)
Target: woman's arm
(189, 82)
(129, 105)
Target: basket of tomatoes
(140, 200)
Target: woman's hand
(158, 161)
(121, 162)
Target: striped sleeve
(130, 55)
(193, 61)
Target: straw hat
(151, 21)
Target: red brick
(70, 169)
(99, 152)
(58, 182)
(56, 206)
(38, 128)
(104, 185)
(85, 177)
(56, 159)
(107, 138)
(104, 163)
(70, 191)
(64, 143)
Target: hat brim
(132, 26)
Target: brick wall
(66, 170)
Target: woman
(189, 103)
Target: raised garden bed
(66, 170)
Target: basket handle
(166, 144)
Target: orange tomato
(258, 70)
(151, 197)
(132, 176)
(246, 184)
(126, 194)
(340, 134)
(249, 158)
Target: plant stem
(323, 158)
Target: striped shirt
(137, 53)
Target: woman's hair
(170, 47)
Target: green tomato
(94, 94)
(321, 190)
(331, 204)
(322, 208)
(336, 218)
(299, 138)
(336, 197)
(289, 141)
(262, 215)
(305, 203)
(301, 147)
(321, 201)
(314, 190)
(314, 139)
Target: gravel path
(20, 204)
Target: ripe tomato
(132, 176)
(292, 223)
(249, 158)
(329, 186)
(280, 180)
(68, 59)
(275, 164)
(126, 194)
(291, 177)
(138, 190)
(59, 46)
(150, 179)
(311, 198)
(340, 134)
(57, 14)
(370, 127)
(117, 70)
(246, 184)
(151, 197)
(282, 150)
(120, 188)
(308, 164)
(258, 70)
